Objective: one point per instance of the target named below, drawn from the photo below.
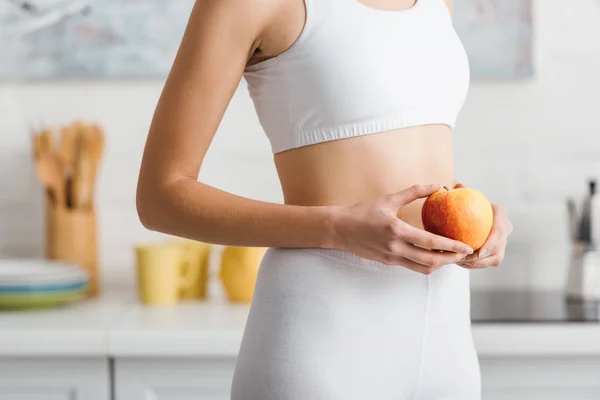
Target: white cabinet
(179, 378)
(510, 378)
(540, 378)
(54, 379)
(173, 379)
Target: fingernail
(468, 250)
(482, 253)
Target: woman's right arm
(218, 42)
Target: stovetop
(531, 307)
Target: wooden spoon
(43, 142)
(38, 146)
(68, 136)
(67, 146)
(96, 150)
(82, 186)
(48, 140)
(96, 144)
(51, 173)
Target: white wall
(526, 144)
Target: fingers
(406, 263)
(494, 260)
(412, 193)
(430, 241)
(428, 258)
(410, 247)
(490, 256)
(493, 244)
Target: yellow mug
(197, 267)
(239, 270)
(163, 272)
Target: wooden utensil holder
(71, 236)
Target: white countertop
(117, 325)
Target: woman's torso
(366, 167)
(349, 168)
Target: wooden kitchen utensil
(51, 173)
(47, 140)
(82, 184)
(96, 141)
(67, 147)
(43, 142)
(68, 171)
(38, 145)
(96, 136)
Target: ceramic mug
(239, 270)
(164, 271)
(197, 267)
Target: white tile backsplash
(573, 21)
(526, 144)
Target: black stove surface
(531, 307)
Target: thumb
(412, 193)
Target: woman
(354, 300)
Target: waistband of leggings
(350, 259)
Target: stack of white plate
(33, 283)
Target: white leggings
(328, 325)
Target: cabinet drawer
(540, 378)
(173, 379)
(54, 379)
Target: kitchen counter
(117, 325)
(543, 307)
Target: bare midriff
(347, 171)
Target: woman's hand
(491, 253)
(372, 230)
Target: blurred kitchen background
(528, 137)
(527, 143)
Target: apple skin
(461, 213)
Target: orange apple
(461, 213)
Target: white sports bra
(356, 70)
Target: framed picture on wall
(95, 39)
(498, 36)
(125, 39)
